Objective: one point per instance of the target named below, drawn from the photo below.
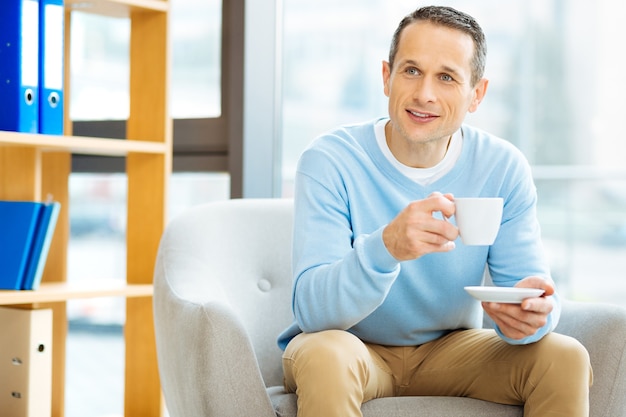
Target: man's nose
(425, 90)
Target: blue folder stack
(31, 70)
(26, 230)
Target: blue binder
(51, 48)
(41, 245)
(18, 224)
(19, 68)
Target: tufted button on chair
(222, 290)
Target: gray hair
(451, 18)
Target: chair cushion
(285, 406)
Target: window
(100, 63)
(553, 92)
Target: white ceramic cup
(478, 219)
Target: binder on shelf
(27, 229)
(19, 71)
(18, 221)
(41, 245)
(51, 55)
(25, 362)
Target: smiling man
(378, 300)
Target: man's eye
(412, 71)
(446, 77)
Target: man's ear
(386, 77)
(479, 93)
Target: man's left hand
(517, 321)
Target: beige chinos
(333, 372)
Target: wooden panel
(147, 190)
(59, 338)
(55, 176)
(20, 173)
(56, 169)
(142, 386)
(81, 145)
(146, 214)
(146, 219)
(62, 291)
(149, 78)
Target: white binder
(25, 362)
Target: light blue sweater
(344, 277)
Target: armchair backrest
(235, 254)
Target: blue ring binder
(51, 39)
(19, 54)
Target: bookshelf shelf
(117, 8)
(51, 292)
(82, 145)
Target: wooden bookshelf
(33, 166)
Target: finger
(446, 247)
(537, 282)
(434, 239)
(439, 202)
(512, 328)
(539, 305)
(516, 312)
(446, 230)
(511, 318)
(424, 227)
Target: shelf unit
(33, 166)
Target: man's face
(429, 87)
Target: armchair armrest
(601, 328)
(206, 361)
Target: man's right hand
(415, 232)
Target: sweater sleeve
(518, 251)
(339, 278)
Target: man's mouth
(422, 116)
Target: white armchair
(222, 290)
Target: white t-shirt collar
(422, 176)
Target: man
(378, 296)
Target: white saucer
(511, 295)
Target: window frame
(242, 141)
